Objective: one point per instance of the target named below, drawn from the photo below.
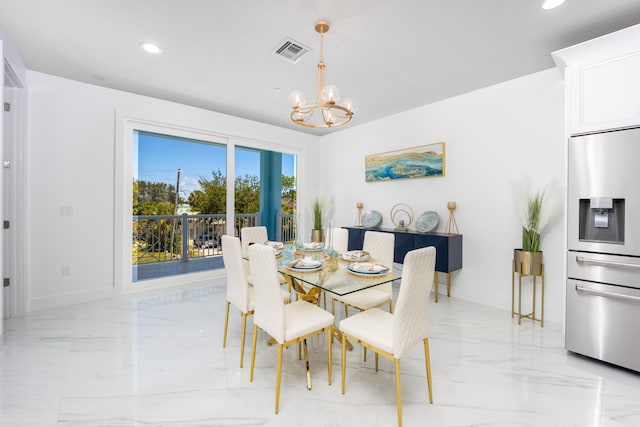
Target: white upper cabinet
(602, 78)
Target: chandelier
(325, 112)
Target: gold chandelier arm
(301, 115)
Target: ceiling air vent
(291, 50)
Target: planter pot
(527, 263)
(317, 235)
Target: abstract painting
(415, 162)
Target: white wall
(495, 137)
(72, 162)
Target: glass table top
(342, 281)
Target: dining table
(311, 274)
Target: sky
(157, 159)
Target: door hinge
(5, 225)
(6, 282)
(7, 106)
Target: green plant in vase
(317, 234)
(535, 215)
(532, 227)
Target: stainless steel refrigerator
(603, 264)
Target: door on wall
(6, 205)
(12, 302)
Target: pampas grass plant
(536, 211)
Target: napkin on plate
(313, 245)
(366, 267)
(306, 262)
(275, 245)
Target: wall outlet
(66, 270)
(66, 210)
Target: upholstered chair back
(410, 324)
(340, 237)
(237, 285)
(250, 235)
(269, 307)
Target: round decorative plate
(371, 219)
(427, 221)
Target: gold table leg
(312, 296)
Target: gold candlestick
(359, 205)
(451, 222)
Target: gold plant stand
(522, 270)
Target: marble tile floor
(156, 359)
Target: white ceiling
(390, 56)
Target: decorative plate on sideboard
(427, 221)
(371, 219)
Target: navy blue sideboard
(448, 248)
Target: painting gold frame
(414, 162)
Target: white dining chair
(287, 324)
(340, 239)
(239, 293)
(250, 235)
(392, 335)
(380, 246)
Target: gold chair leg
(278, 376)
(344, 358)
(333, 307)
(306, 359)
(329, 355)
(391, 306)
(435, 286)
(513, 287)
(427, 359)
(244, 332)
(398, 392)
(346, 311)
(376, 362)
(365, 355)
(226, 323)
(253, 351)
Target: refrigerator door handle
(607, 294)
(606, 263)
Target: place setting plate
(313, 246)
(305, 265)
(357, 255)
(368, 269)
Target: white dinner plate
(305, 265)
(313, 247)
(368, 269)
(356, 256)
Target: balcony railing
(164, 245)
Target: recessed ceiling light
(550, 4)
(150, 47)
